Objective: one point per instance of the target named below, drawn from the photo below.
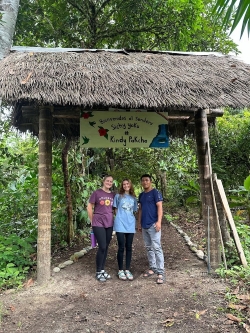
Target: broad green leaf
(247, 183)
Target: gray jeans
(152, 240)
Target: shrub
(15, 260)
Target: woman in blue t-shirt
(125, 205)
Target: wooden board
(231, 222)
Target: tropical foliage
(239, 9)
(182, 25)
(240, 197)
(230, 149)
(16, 259)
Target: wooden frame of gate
(51, 86)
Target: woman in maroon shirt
(100, 213)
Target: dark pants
(124, 240)
(103, 237)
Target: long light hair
(131, 190)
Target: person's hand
(157, 226)
(139, 228)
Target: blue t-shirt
(126, 205)
(149, 213)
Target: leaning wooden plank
(231, 222)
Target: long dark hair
(131, 190)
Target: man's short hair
(146, 175)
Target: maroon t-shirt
(103, 212)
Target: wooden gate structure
(48, 88)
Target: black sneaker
(100, 277)
(106, 275)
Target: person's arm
(160, 214)
(139, 218)
(90, 209)
(115, 204)
(135, 205)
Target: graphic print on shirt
(105, 201)
(128, 205)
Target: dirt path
(73, 301)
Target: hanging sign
(134, 129)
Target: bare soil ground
(73, 301)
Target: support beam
(73, 112)
(205, 172)
(44, 195)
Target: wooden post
(203, 151)
(44, 195)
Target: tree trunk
(44, 195)
(110, 159)
(163, 180)
(70, 233)
(209, 212)
(9, 11)
(84, 154)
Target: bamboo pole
(215, 207)
(202, 143)
(208, 241)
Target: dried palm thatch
(129, 80)
(101, 79)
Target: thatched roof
(104, 78)
(129, 80)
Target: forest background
(182, 25)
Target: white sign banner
(107, 129)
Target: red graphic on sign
(103, 132)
